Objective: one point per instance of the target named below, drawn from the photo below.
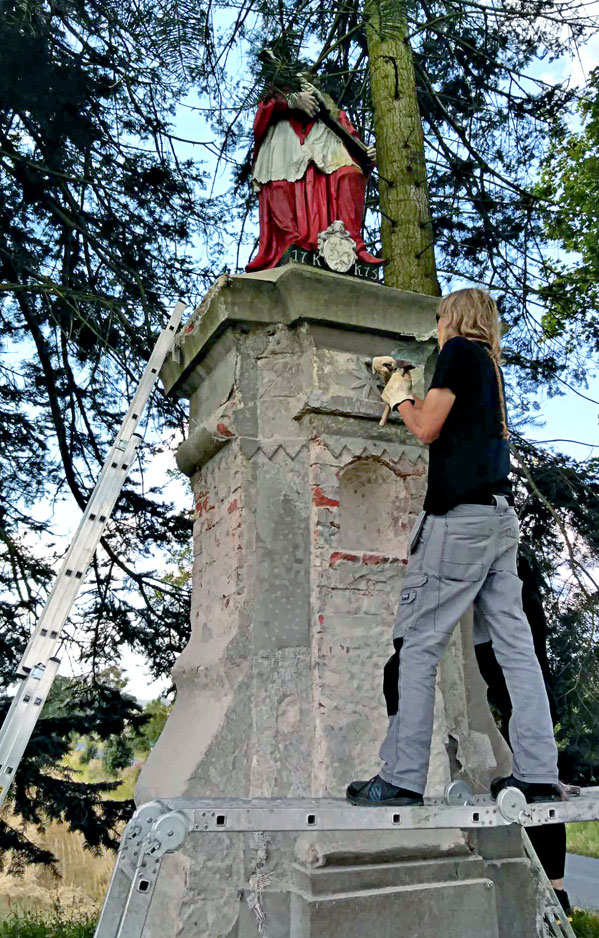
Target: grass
(62, 924)
(94, 771)
(585, 924)
(81, 925)
(583, 838)
(57, 924)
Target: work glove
(383, 365)
(398, 389)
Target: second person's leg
(499, 603)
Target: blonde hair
(473, 314)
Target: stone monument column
(303, 506)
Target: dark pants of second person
(549, 841)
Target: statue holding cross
(310, 170)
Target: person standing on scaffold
(463, 551)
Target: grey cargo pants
(466, 557)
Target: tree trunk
(406, 226)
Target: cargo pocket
(409, 603)
(463, 547)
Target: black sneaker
(376, 791)
(532, 791)
(562, 898)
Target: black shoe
(562, 898)
(377, 791)
(532, 791)
(354, 788)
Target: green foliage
(583, 838)
(58, 924)
(570, 184)
(94, 230)
(122, 786)
(113, 676)
(90, 752)
(97, 216)
(560, 486)
(75, 709)
(117, 754)
(156, 713)
(585, 924)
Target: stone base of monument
(440, 896)
(303, 506)
(426, 885)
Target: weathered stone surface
(516, 894)
(292, 294)
(303, 506)
(516, 888)
(445, 897)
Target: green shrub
(56, 923)
(585, 924)
(117, 754)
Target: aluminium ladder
(39, 664)
(161, 827)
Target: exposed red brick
(321, 619)
(320, 499)
(233, 506)
(203, 505)
(374, 558)
(338, 555)
(223, 429)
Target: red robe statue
(305, 179)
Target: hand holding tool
(398, 389)
(385, 366)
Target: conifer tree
(97, 215)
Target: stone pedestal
(303, 506)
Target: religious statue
(310, 171)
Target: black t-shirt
(469, 459)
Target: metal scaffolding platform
(161, 827)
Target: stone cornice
(283, 295)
